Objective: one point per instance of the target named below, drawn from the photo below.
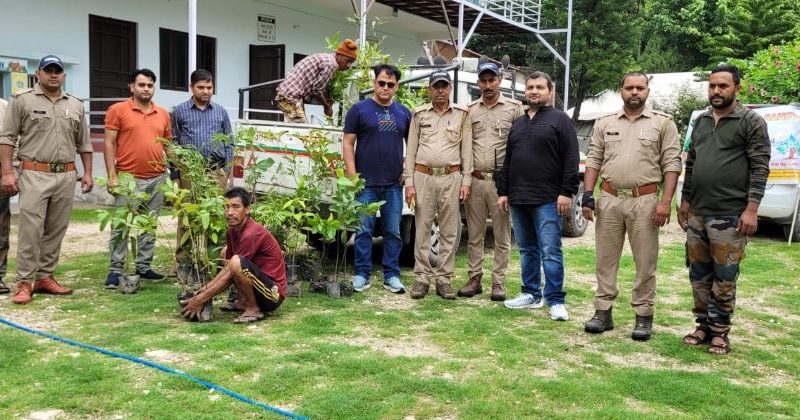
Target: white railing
(526, 12)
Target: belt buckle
(58, 167)
(625, 192)
(438, 171)
(487, 176)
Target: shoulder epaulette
(474, 102)
(461, 107)
(73, 96)
(514, 101)
(663, 114)
(423, 107)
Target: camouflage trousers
(713, 252)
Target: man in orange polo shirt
(132, 130)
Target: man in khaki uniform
(5, 217)
(490, 117)
(437, 176)
(633, 151)
(51, 127)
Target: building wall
(34, 28)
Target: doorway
(266, 64)
(112, 58)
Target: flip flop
(248, 319)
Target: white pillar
(192, 38)
(362, 27)
(460, 45)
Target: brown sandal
(699, 336)
(720, 349)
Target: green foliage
(771, 75)
(131, 219)
(686, 101)
(198, 208)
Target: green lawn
(378, 355)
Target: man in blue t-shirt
(379, 126)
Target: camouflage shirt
(728, 162)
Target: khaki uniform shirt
(439, 141)
(629, 154)
(490, 127)
(3, 105)
(49, 132)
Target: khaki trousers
(437, 197)
(182, 250)
(482, 203)
(5, 229)
(616, 217)
(45, 204)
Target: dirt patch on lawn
(87, 238)
(404, 345)
(166, 356)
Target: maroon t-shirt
(255, 243)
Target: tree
(771, 75)
(603, 45)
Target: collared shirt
(309, 77)
(138, 150)
(490, 127)
(439, 141)
(728, 162)
(541, 159)
(633, 153)
(257, 244)
(44, 130)
(192, 126)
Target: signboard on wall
(19, 81)
(266, 28)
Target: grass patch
(378, 355)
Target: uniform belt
(437, 171)
(483, 176)
(48, 167)
(629, 192)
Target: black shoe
(150, 275)
(112, 281)
(643, 329)
(600, 322)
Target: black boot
(601, 321)
(643, 329)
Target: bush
(771, 75)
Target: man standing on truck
(726, 173)
(375, 130)
(490, 117)
(537, 182)
(633, 151)
(308, 79)
(438, 174)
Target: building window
(174, 51)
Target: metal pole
(566, 57)
(794, 215)
(362, 25)
(460, 45)
(192, 38)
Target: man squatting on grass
(253, 261)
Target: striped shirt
(192, 126)
(309, 77)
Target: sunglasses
(390, 85)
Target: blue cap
(51, 60)
(439, 76)
(488, 66)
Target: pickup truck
(779, 204)
(288, 142)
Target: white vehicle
(288, 142)
(779, 204)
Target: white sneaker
(558, 312)
(524, 301)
